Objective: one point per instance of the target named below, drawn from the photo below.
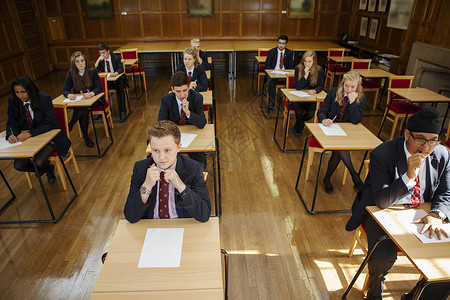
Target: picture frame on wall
(363, 28)
(373, 29)
(372, 5)
(362, 4)
(382, 5)
(99, 9)
(303, 9)
(399, 13)
(200, 8)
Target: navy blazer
(204, 58)
(96, 85)
(199, 75)
(303, 83)
(169, 109)
(330, 108)
(384, 184)
(116, 64)
(272, 56)
(196, 203)
(44, 121)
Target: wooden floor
(276, 249)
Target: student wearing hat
(407, 170)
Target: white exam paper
(162, 248)
(279, 72)
(77, 98)
(5, 144)
(333, 129)
(408, 216)
(186, 139)
(300, 93)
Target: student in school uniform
(308, 76)
(167, 185)
(31, 113)
(112, 64)
(183, 106)
(195, 71)
(82, 79)
(278, 58)
(345, 103)
(202, 55)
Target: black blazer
(116, 64)
(271, 59)
(196, 204)
(330, 108)
(199, 75)
(44, 121)
(384, 185)
(304, 83)
(96, 85)
(204, 58)
(169, 109)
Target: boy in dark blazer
(112, 64)
(203, 57)
(278, 58)
(167, 185)
(407, 170)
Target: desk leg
(253, 79)
(73, 189)
(300, 172)
(364, 263)
(317, 183)
(13, 196)
(43, 190)
(445, 117)
(218, 176)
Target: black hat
(426, 120)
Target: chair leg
(354, 243)
(27, 176)
(365, 287)
(394, 126)
(60, 172)
(74, 161)
(143, 79)
(105, 125)
(285, 116)
(79, 130)
(375, 100)
(309, 163)
(344, 178)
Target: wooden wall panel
(327, 25)
(250, 5)
(289, 26)
(150, 5)
(73, 27)
(93, 28)
(250, 24)
(191, 25)
(111, 28)
(307, 28)
(211, 26)
(270, 23)
(270, 4)
(330, 5)
(130, 5)
(52, 7)
(171, 25)
(232, 5)
(152, 25)
(132, 26)
(69, 7)
(230, 24)
(170, 5)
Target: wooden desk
(208, 100)
(205, 142)
(111, 78)
(417, 95)
(87, 103)
(341, 59)
(272, 75)
(29, 149)
(318, 98)
(376, 74)
(198, 277)
(260, 59)
(358, 138)
(128, 61)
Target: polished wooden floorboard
(276, 249)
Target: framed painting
(200, 8)
(373, 29)
(300, 9)
(362, 4)
(382, 5)
(99, 9)
(363, 28)
(372, 4)
(399, 13)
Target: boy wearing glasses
(407, 170)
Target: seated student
(278, 58)
(345, 103)
(407, 170)
(31, 113)
(202, 56)
(167, 185)
(112, 64)
(81, 79)
(308, 76)
(195, 71)
(183, 106)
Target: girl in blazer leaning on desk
(343, 104)
(81, 79)
(197, 78)
(31, 113)
(308, 76)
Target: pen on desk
(334, 118)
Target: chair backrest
(104, 82)
(399, 82)
(61, 117)
(336, 52)
(129, 53)
(209, 60)
(361, 64)
(263, 51)
(290, 81)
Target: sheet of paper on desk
(162, 248)
(300, 93)
(186, 139)
(333, 129)
(279, 72)
(5, 144)
(407, 216)
(77, 98)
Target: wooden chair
(398, 107)
(134, 69)
(261, 66)
(333, 68)
(369, 85)
(112, 91)
(61, 116)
